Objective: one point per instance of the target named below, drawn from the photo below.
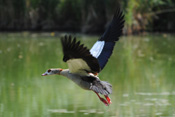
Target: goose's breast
(79, 81)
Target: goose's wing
(103, 48)
(78, 57)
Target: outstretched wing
(78, 57)
(103, 48)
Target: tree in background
(88, 16)
(141, 14)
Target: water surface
(141, 71)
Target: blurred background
(87, 16)
(141, 68)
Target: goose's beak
(44, 74)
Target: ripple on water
(60, 111)
(82, 111)
(150, 94)
(91, 111)
(148, 104)
(158, 114)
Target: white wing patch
(97, 48)
(78, 66)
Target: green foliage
(69, 11)
(82, 15)
(34, 3)
(47, 8)
(140, 14)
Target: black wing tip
(119, 16)
(67, 42)
(67, 38)
(114, 31)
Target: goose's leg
(108, 99)
(102, 99)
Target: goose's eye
(49, 70)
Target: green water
(141, 70)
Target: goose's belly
(78, 80)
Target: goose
(84, 64)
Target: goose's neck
(64, 72)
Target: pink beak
(44, 74)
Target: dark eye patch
(49, 70)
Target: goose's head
(52, 72)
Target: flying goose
(84, 64)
